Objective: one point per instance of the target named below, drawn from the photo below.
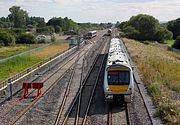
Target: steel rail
(20, 100)
(78, 108)
(77, 97)
(93, 91)
(109, 115)
(66, 93)
(80, 90)
(46, 91)
(136, 78)
(127, 108)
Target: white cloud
(96, 10)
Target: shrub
(131, 32)
(6, 39)
(46, 30)
(57, 29)
(145, 27)
(41, 41)
(174, 26)
(53, 39)
(177, 43)
(122, 34)
(162, 34)
(26, 38)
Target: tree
(131, 32)
(145, 27)
(18, 16)
(57, 29)
(66, 24)
(177, 43)
(174, 26)
(162, 34)
(36, 21)
(46, 30)
(123, 24)
(145, 24)
(26, 38)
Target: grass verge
(18, 64)
(11, 51)
(160, 71)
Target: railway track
(72, 108)
(14, 113)
(29, 102)
(66, 93)
(32, 102)
(83, 99)
(118, 114)
(139, 108)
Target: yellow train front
(118, 75)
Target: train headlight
(107, 89)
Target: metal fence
(25, 53)
(34, 67)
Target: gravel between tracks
(45, 111)
(138, 112)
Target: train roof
(117, 54)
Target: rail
(24, 73)
(143, 92)
(77, 98)
(66, 92)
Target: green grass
(21, 63)
(15, 65)
(160, 71)
(169, 42)
(10, 51)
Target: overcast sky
(95, 10)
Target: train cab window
(118, 77)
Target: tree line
(14, 27)
(145, 27)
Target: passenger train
(91, 34)
(109, 32)
(118, 76)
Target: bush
(57, 29)
(131, 32)
(6, 39)
(26, 38)
(162, 34)
(174, 26)
(53, 39)
(122, 34)
(177, 43)
(41, 41)
(145, 27)
(46, 30)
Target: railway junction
(72, 92)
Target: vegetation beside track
(13, 50)
(18, 64)
(169, 42)
(160, 71)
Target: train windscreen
(118, 77)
